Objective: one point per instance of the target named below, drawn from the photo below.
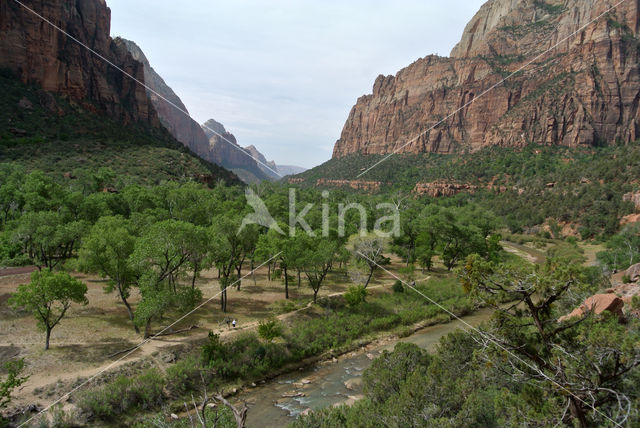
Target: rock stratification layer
(582, 91)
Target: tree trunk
(578, 413)
(299, 279)
(371, 269)
(130, 312)
(253, 272)
(239, 270)
(315, 295)
(223, 300)
(147, 329)
(46, 340)
(195, 274)
(286, 283)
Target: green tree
(48, 296)
(623, 249)
(316, 258)
(47, 238)
(11, 197)
(162, 255)
(282, 249)
(226, 250)
(580, 362)
(13, 380)
(368, 251)
(247, 243)
(165, 250)
(107, 250)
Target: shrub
(355, 295)
(398, 287)
(142, 392)
(269, 330)
(280, 307)
(185, 376)
(626, 279)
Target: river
(279, 401)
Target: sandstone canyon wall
(41, 55)
(173, 114)
(585, 91)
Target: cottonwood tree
(317, 255)
(48, 238)
(48, 297)
(107, 250)
(282, 249)
(11, 197)
(368, 251)
(162, 255)
(247, 242)
(582, 362)
(226, 250)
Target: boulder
(633, 272)
(354, 383)
(598, 304)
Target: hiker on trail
(233, 323)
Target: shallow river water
(279, 401)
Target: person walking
(233, 323)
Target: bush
(243, 358)
(398, 287)
(143, 392)
(355, 295)
(626, 279)
(269, 330)
(185, 376)
(280, 307)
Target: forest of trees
(157, 240)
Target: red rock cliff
(585, 91)
(39, 54)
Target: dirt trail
(16, 270)
(147, 351)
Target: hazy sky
(283, 74)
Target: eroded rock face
(221, 146)
(365, 185)
(171, 110)
(210, 141)
(585, 91)
(39, 54)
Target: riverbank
(334, 381)
(323, 333)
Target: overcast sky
(283, 74)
